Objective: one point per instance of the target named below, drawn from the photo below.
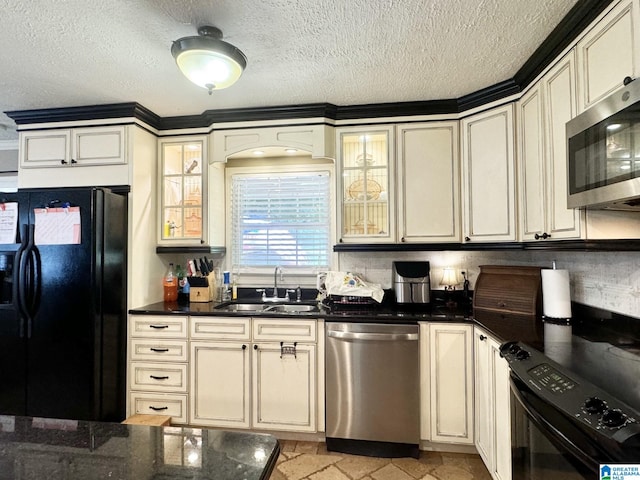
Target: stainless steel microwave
(603, 153)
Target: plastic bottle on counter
(170, 283)
(226, 289)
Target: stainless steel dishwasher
(372, 389)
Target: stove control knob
(522, 354)
(613, 418)
(594, 405)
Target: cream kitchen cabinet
(220, 371)
(488, 176)
(158, 366)
(182, 201)
(608, 53)
(541, 117)
(75, 157)
(255, 373)
(75, 147)
(428, 166)
(492, 407)
(366, 184)
(558, 93)
(446, 366)
(284, 386)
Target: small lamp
(208, 61)
(449, 279)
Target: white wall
(609, 280)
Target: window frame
(293, 276)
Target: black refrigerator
(63, 309)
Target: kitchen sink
(268, 307)
(241, 307)
(290, 308)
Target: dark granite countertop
(36, 448)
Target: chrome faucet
(275, 297)
(275, 280)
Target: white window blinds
(281, 219)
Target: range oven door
(545, 444)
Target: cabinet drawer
(220, 328)
(173, 405)
(158, 326)
(159, 377)
(153, 350)
(298, 330)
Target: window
(281, 219)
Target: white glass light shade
(208, 61)
(449, 277)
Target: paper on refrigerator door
(8, 222)
(57, 226)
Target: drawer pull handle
(159, 378)
(160, 350)
(158, 409)
(158, 326)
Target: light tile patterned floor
(312, 461)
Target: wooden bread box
(506, 289)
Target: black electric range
(584, 378)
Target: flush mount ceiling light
(208, 61)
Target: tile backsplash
(608, 280)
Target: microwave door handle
(557, 438)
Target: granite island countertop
(38, 448)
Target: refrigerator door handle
(29, 273)
(20, 278)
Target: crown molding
(572, 25)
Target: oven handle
(550, 431)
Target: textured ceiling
(346, 52)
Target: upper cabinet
(608, 53)
(73, 147)
(54, 157)
(542, 114)
(428, 166)
(182, 191)
(365, 184)
(488, 176)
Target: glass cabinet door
(183, 167)
(365, 185)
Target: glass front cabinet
(183, 197)
(366, 183)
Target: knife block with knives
(202, 289)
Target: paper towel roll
(556, 294)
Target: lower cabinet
(220, 373)
(241, 372)
(447, 383)
(492, 407)
(284, 387)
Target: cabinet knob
(73, 162)
(402, 240)
(467, 239)
(63, 162)
(244, 347)
(544, 236)
(482, 338)
(255, 347)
